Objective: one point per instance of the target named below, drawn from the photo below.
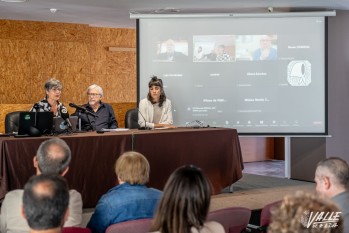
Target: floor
(273, 168)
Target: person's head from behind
(332, 176)
(156, 92)
(185, 201)
(295, 211)
(53, 89)
(45, 202)
(133, 168)
(53, 156)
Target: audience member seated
(185, 204)
(332, 179)
(305, 213)
(52, 157)
(45, 203)
(129, 200)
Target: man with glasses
(332, 179)
(103, 114)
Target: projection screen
(262, 76)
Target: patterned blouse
(44, 106)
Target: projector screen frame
(267, 134)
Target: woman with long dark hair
(156, 109)
(185, 203)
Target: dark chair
(233, 219)
(75, 230)
(12, 122)
(133, 226)
(131, 119)
(265, 218)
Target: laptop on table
(61, 126)
(35, 123)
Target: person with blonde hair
(129, 200)
(306, 213)
(185, 204)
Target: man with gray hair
(45, 203)
(103, 118)
(332, 179)
(52, 157)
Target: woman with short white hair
(53, 90)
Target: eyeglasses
(56, 89)
(92, 94)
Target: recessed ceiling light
(53, 10)
(14, 0)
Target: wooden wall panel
(2, 87)
(42, 57)
(5, 29)
(99, 62)
(33, 52)
(73, 57)
(43, 31)
(257, 148)
(74, 89)
(76, 54)
(123, 38)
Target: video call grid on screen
(260, 76)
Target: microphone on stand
(65, 116)
(82, 109)
(145, 122)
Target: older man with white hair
(103, 114)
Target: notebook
(61, 126)
(35, 123)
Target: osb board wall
(120, 110)
(76, 54)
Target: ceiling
(116, 13)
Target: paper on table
(115, 130)
(162, 128)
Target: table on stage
(215, 150)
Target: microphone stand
(79, 120)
